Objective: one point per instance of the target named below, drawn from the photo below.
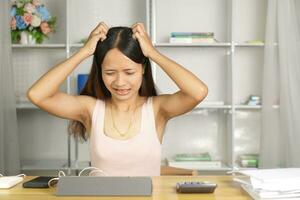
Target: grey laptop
(104, 186)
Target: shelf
(223, 167)
(44, 165)
(76, 45)
(191, 44)
(39, 46)
(247, 168)
(211, 106)
(244, 44)
(52, 165)
(175, 45)
(26, 105)
(248, 107)
(62, 165)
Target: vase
(27, 39)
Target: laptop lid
(104, 186)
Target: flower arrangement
(32, 17)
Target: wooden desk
(163, 188)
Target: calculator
(195, 187)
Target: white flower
(36, 21)
(20, 4)
(30, 8)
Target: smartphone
(38, 182)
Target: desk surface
(163, 188)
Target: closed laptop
(104, 186)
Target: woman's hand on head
(139, 33)
(99, 33)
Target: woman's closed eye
(112, 73)
(130, 73)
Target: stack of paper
(283, 183)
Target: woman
(119, 110)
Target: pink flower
(30, 8)
(45, 28)
(27, 18)
(36, 2)
(13, 23)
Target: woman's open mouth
(122, 91)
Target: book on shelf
(249, 163)
(249, 160)
(192, 157)
(253, 100)
(192, 40)
(192, 37)
(193, 34)
(193, 161)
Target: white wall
(45, 137)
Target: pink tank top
(136, 156)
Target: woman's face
(121, 76)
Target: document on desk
(271, 183)
(264, 195)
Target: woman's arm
(192, 89)
(45, 92)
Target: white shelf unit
(225, 125)
(43, 138)
(181, 17)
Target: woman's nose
(119, 80)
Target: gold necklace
(115, 126)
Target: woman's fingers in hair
(138, 24)
(102, 36)
(136, 35)
(138, 27)
(138, 31)
(101, 28)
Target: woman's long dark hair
(120, 38)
